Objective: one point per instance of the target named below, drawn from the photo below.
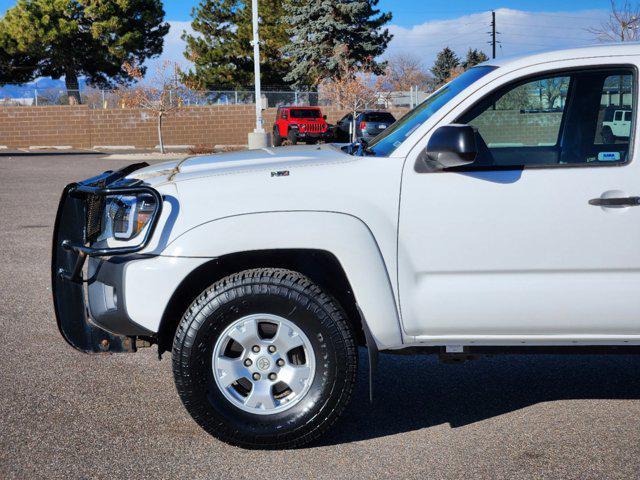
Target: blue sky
(423, 27)
(411, 12)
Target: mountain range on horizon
(26, 90)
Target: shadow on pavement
(416, 392)
(61, 153)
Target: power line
(530, 44)
(551, 37)
(450, 41)
(536, 25)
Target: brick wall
(81, 127)
(30, 126)
(511, 127)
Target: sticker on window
(609, 156)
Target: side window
(583, 117)
(617, 102)
(525, 115)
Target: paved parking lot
(64, 414)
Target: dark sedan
(369, 124)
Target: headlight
(125, 216)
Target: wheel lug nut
(256, 376)
(272, 348)
(247, 362)
(272, 376)
(280, 362)
(256, 349)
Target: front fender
(346, 237)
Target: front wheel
(277, 139)
(265, 359)
(608, 137)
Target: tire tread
(279, 282)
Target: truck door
(617, 123)
(540, 237)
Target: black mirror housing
(449, 146)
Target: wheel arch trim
(344, 236)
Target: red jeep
(300, 124)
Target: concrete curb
(50, 147)
(175, 147)
(113, 147)
(147, 156)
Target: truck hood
(306, 178)
(275, 159)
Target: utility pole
(493, 33)
(258, 138)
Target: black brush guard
(78, 222)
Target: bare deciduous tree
(355, 87)
(454, 73)
(405, 71)
(553, 89)
(622, 24)
(163, 94)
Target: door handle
(616, 202)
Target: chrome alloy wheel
(263, 364)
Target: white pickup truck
(489, 219)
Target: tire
(292, 137)
(277, 139)
(608, 138)
(273, 293)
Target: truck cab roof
(588, 51)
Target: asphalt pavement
(67, 415)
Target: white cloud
(520, 32)
(173, 47)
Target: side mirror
(449, 146)
(325, 117)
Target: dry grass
(201, 150)
(230, 148)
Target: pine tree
(474, 57)
(221, 49)
(92, 38)
(445, 63)
(14, 65)
(323, 29)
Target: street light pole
(256, 66)
(258, 138)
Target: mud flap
(372, 353)
(68, 292)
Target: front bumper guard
(71, 236)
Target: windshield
(386, 143)
(382, 117)
(305, 113)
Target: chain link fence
(106, 99)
